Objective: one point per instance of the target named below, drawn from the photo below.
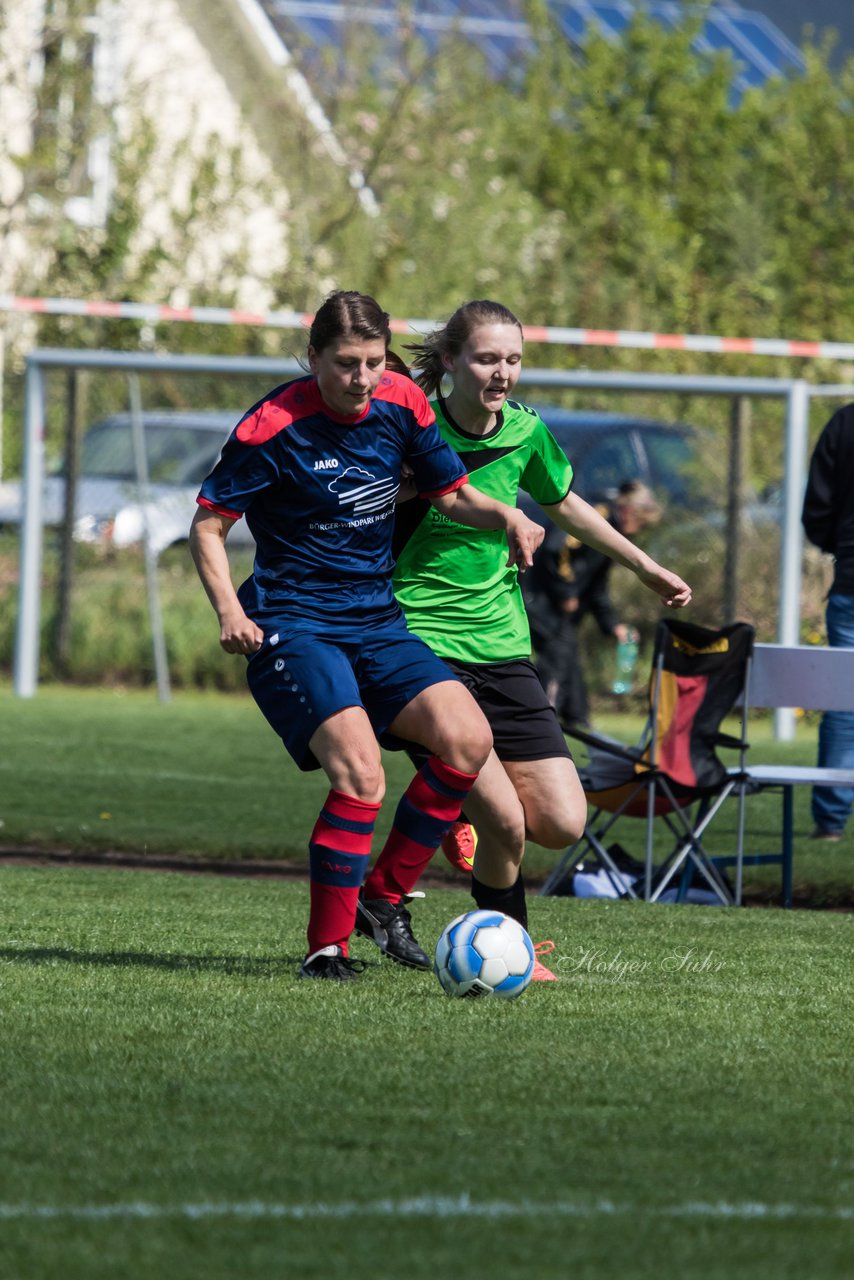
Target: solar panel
(758, 48)
(613, 18)
(763, 41)
(723, 38)
(667, 12)
(572, 20)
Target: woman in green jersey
(460, 595)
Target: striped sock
(424, 815)
(339, 851)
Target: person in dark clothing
(569, 580)
(828, 520)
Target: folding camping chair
(673, 773)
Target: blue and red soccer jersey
(318, 492)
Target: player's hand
(523, 537)
(670, 589)
(239, 634)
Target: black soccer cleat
(389, 925)
(330, 963)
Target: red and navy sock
(339, 852)
(511, 901)
(423, 818)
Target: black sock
(511, 901)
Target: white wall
(155, 65)
(170, 77)
(18, 31)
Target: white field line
(428, 1207)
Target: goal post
(38, 363)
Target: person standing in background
(828, 520)
(569, 581)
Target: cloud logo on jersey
(358, 488)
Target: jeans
(831, 806)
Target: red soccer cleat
(459, 846)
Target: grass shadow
(243, 966)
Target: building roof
(759, 48)
(819, 17)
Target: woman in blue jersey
(459, 594)
(314, 467)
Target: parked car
(180, 448)
(607, 448)
(672, 458)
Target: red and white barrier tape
(160, 314)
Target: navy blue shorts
(300, 680)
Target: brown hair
(397, 365)
(428, 367)
(348, 314)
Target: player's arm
(578, 517)
(467, 505)
(208, 532)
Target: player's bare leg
(553, 800)
(541, 800)
(496, 812)
(348, 753)
(446, 720)
(514, 800)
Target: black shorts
(523, 722)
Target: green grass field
(176, 1103)
(110, 771)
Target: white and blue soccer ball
(484, 953)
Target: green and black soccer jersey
(452, 582)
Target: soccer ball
(484, 953)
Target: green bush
(109, 636)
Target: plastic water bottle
(627, 658)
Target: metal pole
(2, 375)
(158, 639)
(62, 626)
(791, 540)
(26, 666)
(738, 424)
